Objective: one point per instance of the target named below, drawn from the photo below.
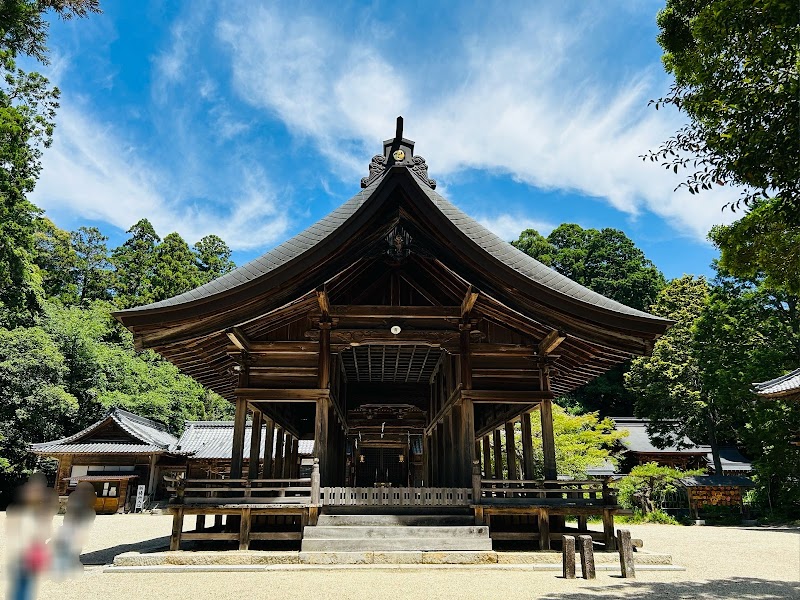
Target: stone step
(383, 532)
(396, 520)
(396, 544)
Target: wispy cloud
(509, 226)
(91, 170)
(515, 101)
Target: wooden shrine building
(406, 340)
(115, 454)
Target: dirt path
(752, 563)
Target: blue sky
(252, 120)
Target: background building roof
(214, 440)
(785, 385)
(639, 440)
(147, 436)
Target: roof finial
(399, 132)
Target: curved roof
(152, 436)
(785, 385)
(501, 250)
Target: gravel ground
(721, 562)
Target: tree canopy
(736, 65)
(608, 262)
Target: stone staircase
(396, 533)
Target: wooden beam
(269, 439)
(238, 339)
(306, 347)
(469, 301)
(394, 312)
(506, 396)
(551, 341)
(281, 395)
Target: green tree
(175, 270)
(646, 486)
(736, 65)
(34, 403)
(608, 262)
(669, 384)
(582, 442)
(749, 332)
(213, 258)
(56, 259)
(134, 263)
(92, 269)
(762, 243)
(27, 111)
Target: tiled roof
(638, 440)
(214, 440)
(488, 241)
(717, 481)
(96, 448)
(273, 259)
(153, 436)
(731, 459)
(780, 386)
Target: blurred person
(71, 536)
(29, 523)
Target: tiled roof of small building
(152, 435)
(214, 440)
(784, 385)
(717, 481)
(639, 440)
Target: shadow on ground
(106, 555)
(735, 588)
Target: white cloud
(522, 101)
(508, 226)
(91, 171)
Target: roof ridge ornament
(398, 151)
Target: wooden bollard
(568, 556)
(625, 547)
(587, 556)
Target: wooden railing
(305, 491)
(545, 491)
(579, 492)
(395, 496)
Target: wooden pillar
(287, 451)
(467, 421)
(255, 445)
(452, 450)
(544, 529)
(177, 529)
(426, 460)
(511, 452)
(294, 466)
(440, 440)
(548, 438)
(527, 448)
(269, 442)
(277, 465)
(321, 438)
(498, 454)
(487, 458)
(322, 427)
(457, 445)
(237, 449)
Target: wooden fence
(399, 496)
